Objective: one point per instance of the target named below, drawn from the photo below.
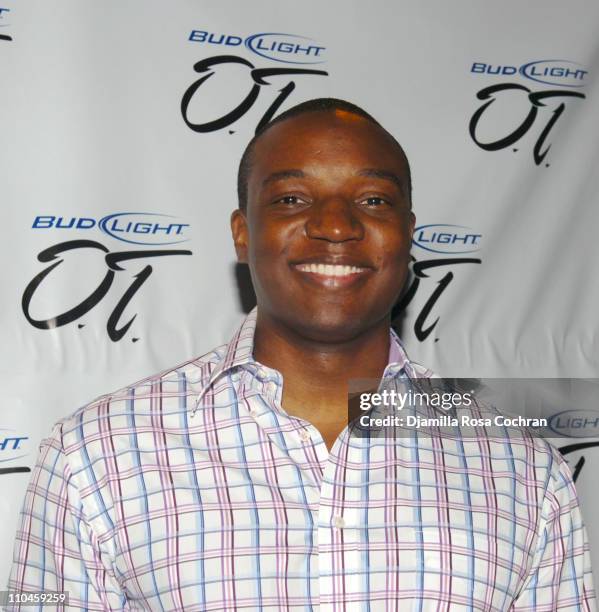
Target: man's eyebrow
(283, 174)
(384, 174)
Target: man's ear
(239, 230)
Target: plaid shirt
(194, 490)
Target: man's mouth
(332, 275)
(330, 269)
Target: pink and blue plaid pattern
(194, 490)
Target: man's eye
(290, 200)
(374, 202)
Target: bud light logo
(446, 238)
(563, 73)
(575, 423)
(276, 46)
(282, 47)
(12, 448)
(142, 228)
(134, 228)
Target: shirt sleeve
(55, 546)
(561, 579)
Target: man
(232, 482)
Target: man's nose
(334, 219)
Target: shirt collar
(240, 351)
(398, 358)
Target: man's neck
(316, 374)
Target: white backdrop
(92, 126)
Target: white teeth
(329, 269)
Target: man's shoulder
(163, 391)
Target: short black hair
(310, 106)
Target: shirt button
(339, 522)
(305, 435)
(252, 409)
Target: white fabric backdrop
(92, 126)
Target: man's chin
(331, 329)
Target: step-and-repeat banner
(122, 125)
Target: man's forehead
(313, 134)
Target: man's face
(328, 226)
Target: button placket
(339, 530)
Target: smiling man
(232, 482)
(325, 224)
